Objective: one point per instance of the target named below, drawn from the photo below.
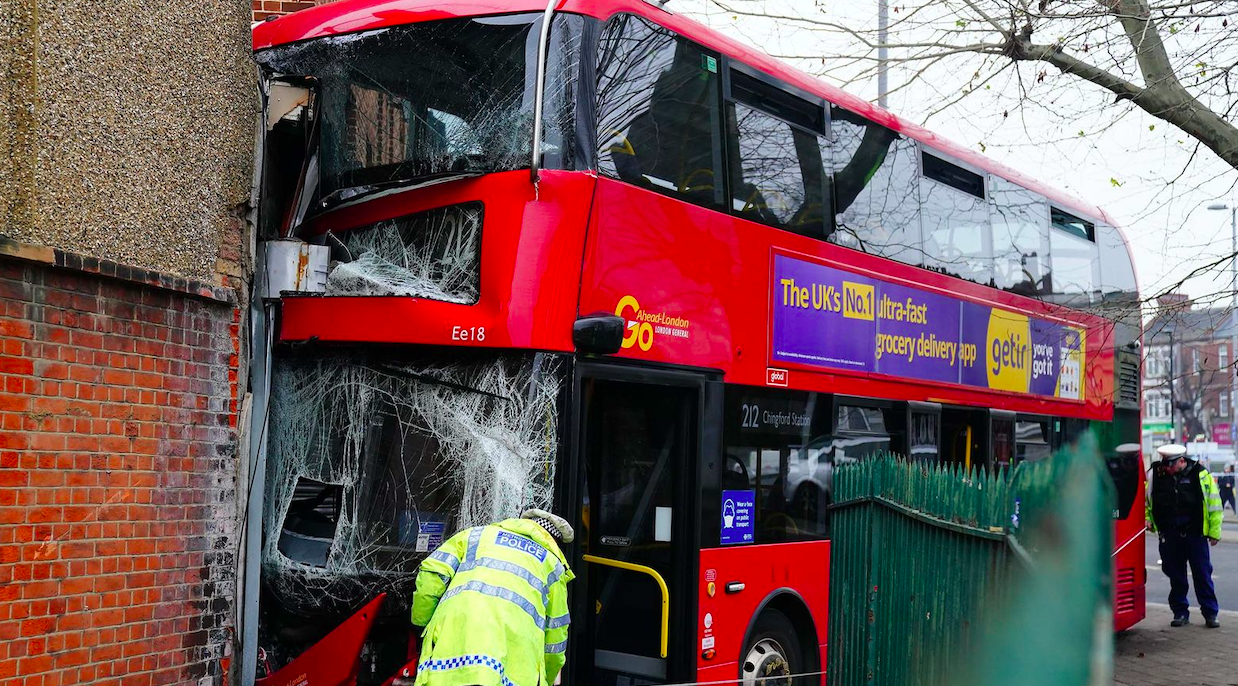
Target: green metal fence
(930, 565)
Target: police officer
(1184, 508)
(493, 601)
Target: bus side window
(777, 445)
(867, 431)
(1032, 440)
(1020, 238)
(955, 219)
(876, 188)
(778, 174)
(964, 437)
(659, 111)
(925, 434)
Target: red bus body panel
(531, 247)
(1130, 571)
(800, 569)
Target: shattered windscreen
(437, 98)
(434, 254)
(374, 460)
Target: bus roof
(350, 16)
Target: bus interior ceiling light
(404, 456)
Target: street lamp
(1233, 313)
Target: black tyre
(773, 654)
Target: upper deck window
(406, 103)
(1020, 238)
(957, 237)
(777, 167)
(1065, 221)
(659, 111)
(1076, 260)
(953, 175)
(876, 177)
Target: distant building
(1187, 368)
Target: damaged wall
(118, 520)
(129, 134)
(126, 149)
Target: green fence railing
(930, 564)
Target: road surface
(1224, 572)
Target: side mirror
(598, 333)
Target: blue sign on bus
(738, 516)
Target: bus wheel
(774, 655)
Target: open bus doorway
(639, 443)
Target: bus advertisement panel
(914, 333)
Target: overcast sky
(1144, 172)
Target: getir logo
(1009, 351)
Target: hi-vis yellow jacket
(1211, 496)
(493, 601)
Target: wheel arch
(791, 604)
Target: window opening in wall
(953, 175)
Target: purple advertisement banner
(834, 319)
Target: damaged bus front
(411, 393)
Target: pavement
(1152, 653)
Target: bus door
(639, 444)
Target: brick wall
(118, 523)
(274, 8)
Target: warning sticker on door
(738, 520)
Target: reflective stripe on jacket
(1212, 514)
(493, 601)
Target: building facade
(1188, 371)
(126, 149)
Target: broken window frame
(489, 413)
(561, 134)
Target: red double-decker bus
(717, 280)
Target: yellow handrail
(666, 595)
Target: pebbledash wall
(126, 149)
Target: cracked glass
(455, 96)
(375, 459)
